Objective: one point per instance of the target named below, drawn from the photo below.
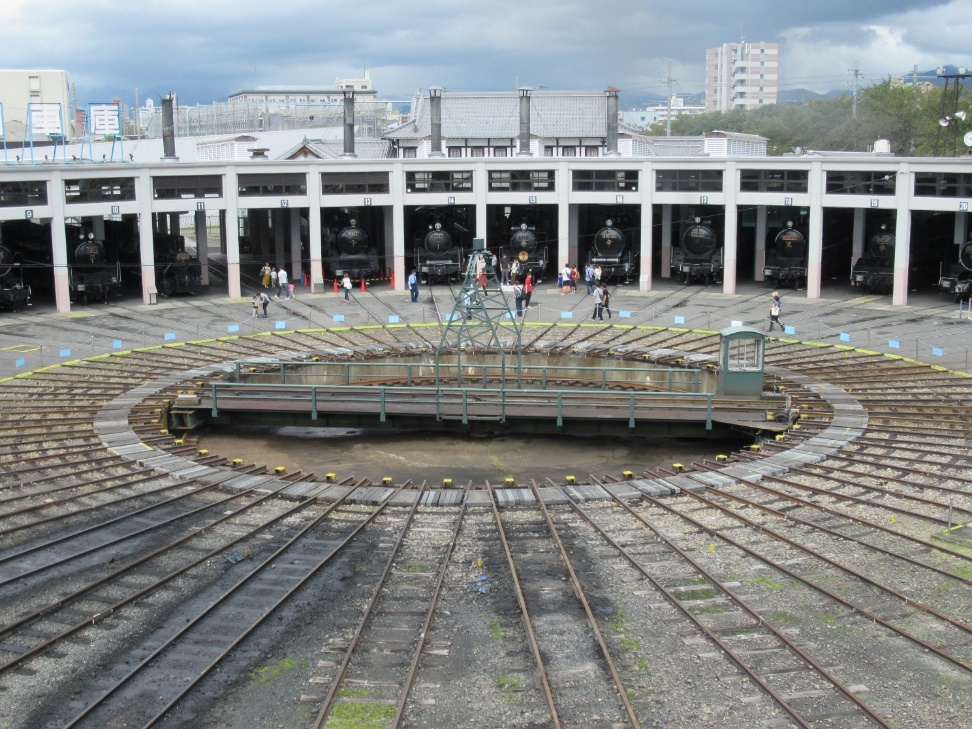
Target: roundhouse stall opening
(526, 234)
(438, 241)
(932, 252)
(353, 242)
(609, 237)
(31, 248)
(948, 230)
(14, 292)
(874, 270)
(697, 248)
(786, 246)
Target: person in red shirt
(481, 280)
(573, 279)
(527, 289)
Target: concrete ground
(930, 328)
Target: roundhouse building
(291, 207)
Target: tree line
(906, 115)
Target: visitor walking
(776, 308)
(346, 285)
(413, 286)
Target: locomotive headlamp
(353, 222)
(438, 226)
(609, 223)
(698, 220)
(90, 236)
(789, 223)
(523, 226)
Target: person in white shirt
(282, 282)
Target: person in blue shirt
(413, 286)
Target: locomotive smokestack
(524, 124)
(349, 123)
(168, 129)
(612, 122)
(435, 110)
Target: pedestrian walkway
(930, 328)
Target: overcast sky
(205, 50)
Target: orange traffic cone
(335, 285)
(391, 277)
(364, 285)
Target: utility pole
(669, 81)
(857, 74)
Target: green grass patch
(360, 716)
(495, 631)
(618, 623)
(630, 643)
(507, 685)
(706, 593)
(765, 581)
(710, 610)
(267, 673)
(417, 568)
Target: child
(256, 306)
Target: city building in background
(741, 76)
(41, 95)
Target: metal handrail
(693, 375)
(456, 401)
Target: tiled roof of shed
(497, 115)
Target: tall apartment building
(741, 75)
(19, 88)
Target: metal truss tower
(481, 321)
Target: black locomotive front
(177, 271)
(525, 248)
(786, 264)
(874, 271)
(958, 281)
(91, 276)
(699, 257)
(13, 293)
(354, 256)
(437, 257)
(611, 252)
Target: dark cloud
(207, 50)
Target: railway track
(145, 583)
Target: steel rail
(100, 700)
(739, 602)
(803, 580)
(165, 579)
(328, 703)
(114, 542)
(427, 623)
(527, 621)
(67, 500)
(592, 621)
(721, 493)
(707, 465)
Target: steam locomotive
(91, 272)
(699, 257)
(350, 253)
(13, 293)
(959, 278)
(611, 252)
(91, 275)
(437, 256)
(177, 271)
(786, 263)
(874, 271)
(526, 248)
